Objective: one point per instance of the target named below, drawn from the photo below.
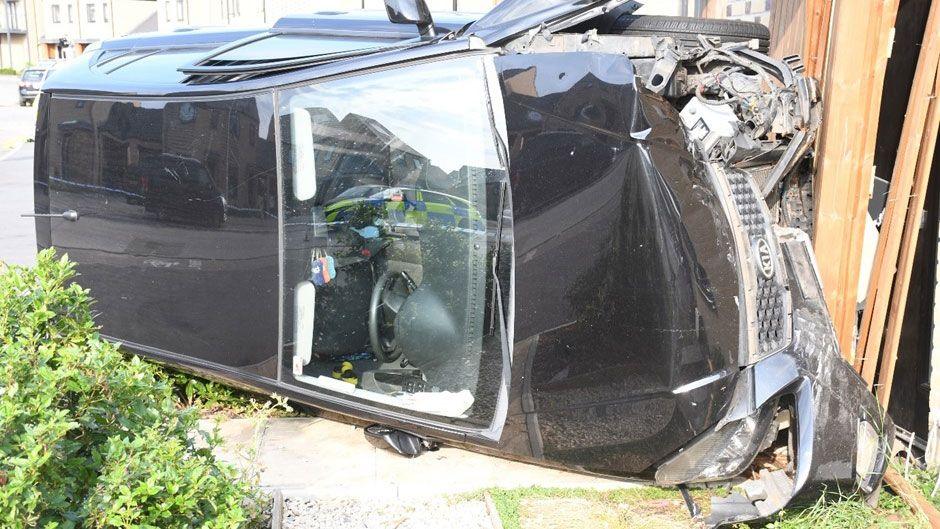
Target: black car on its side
(558, 232)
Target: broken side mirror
(405, 444)
(411, 12)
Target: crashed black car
(559, 232)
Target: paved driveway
(329, 477)
(17, 234)
(17, 238)
(16, 122)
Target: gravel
(318, 513)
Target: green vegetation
(8, 71)
(221, 401)
(835, 511)
(926, 482)
(90, 438)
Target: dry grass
(655, 508)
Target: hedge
(91, 438)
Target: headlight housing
(721, 453)
(869, 456)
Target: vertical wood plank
(908, 249)
(816, 43)
(788, 27)
(846, 152)
(932, 457)
(716, 9)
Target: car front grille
(768, 307)
(747, 205)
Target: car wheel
(687, 29)
(388, 295)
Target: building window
(90, 8)
(14, 15)
(179, 10)
(105, 13)
(168, 10)
(56, 14)
(71, 14)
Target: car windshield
(33, 76)
(392, 216)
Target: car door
(391, 292)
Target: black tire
(687, 29)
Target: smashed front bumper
(839, 434)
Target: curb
(495, 521)
(277, 510)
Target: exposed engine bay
(741, 108)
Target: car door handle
(71, 215)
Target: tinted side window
(178, 237)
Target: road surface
(17, 238)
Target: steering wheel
(388, 295)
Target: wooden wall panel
(787, 27)
(846, 152)
(818, 15)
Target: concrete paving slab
(241, 438)
(316, 453)
(315, 457)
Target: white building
(14, 42)
(69, 26)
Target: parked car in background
(31, 81)
(557, 232)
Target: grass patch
(634, 507)
(652, 507)
(835, 511)
(925, 481)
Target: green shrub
(218, 400)
(88, 437)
